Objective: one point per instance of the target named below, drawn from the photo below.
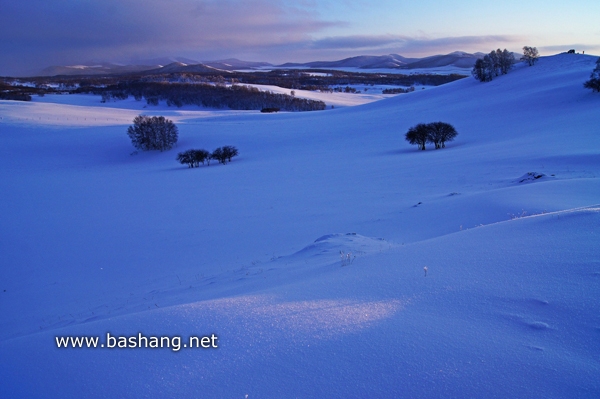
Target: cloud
(330, 48)
(41, 32)
(412, 44)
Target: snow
(335, 99)
(83, 66)
(96, 240)
(443, 70)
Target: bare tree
(440, 132)
(186, 158)
(507, 60)
(444, 132)
(484, 69)
(594, 82)
(200, 156)
(494, 63)
(418, 135)
(479, 71)
(230, 152)
(530, 55)
(219, 155)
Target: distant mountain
(166, 61)
(458, 59)
(114, 69)
(363, 61)
(180, 67)
(98, 69)
(156, 65)
(232, 64)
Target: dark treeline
(15, 93)
(398, 90)
(324, 79)
(15, 96)
(21, 89)
(203, 94)
(313, 79)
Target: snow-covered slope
(306, 255)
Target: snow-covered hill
(306, 255)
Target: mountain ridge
(458, 59)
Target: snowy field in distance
(367, 94)
(87, 109)
(444, 70)
(96, 240)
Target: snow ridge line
(588, 208)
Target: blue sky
(39, 33)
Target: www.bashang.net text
(174, 343)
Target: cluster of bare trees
(495, 63)
(499, 62)
(437, 133)
(193, 158)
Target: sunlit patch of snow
(311, 319)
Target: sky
(38, 33)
